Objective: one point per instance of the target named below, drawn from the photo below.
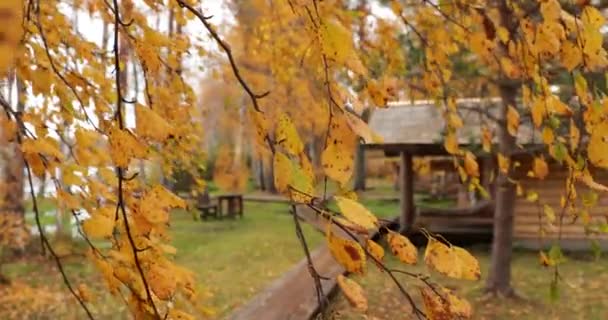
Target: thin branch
(235, 70)
(419, 313)
(321, 298)
(120, 174)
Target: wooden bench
(205, 206)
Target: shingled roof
(419, 124)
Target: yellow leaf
(307, 168)
(282, 172)
(287, 135)
(597, 149)
(124, 147)
(150, 124)
(504, 163)
(503, 34)
(509, 68)
(549, 213)
(348, 253)
(545, 261)
(161, 281)
(532, 196)
(356, 213)
(486, 139)
(98, 226)
(512, 120)
(541, 169)
(555, 105)
(592, 17)
(538, 111)
(402, 248)
(362, 129)
(550, 10)
(470, 164)
(571, 55)
(452, 261)
(338, 157)
(587, 179)
(454, 120)
(353, 293)
(548, 136)
(84, 293)
(451, 143)
(442, 304)
(9, 41)
(337, 44)
(374, 249)
(575, 136)
(292, 180)
(45, 146)
(261, 128)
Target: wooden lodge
(414, 129)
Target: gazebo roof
(416, 127)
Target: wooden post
(406, 179)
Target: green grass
(583, 293)
(232, 259)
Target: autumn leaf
(348, 253)
(452, 261)
(402, 248)
(85, 293)
(356, 213)
(150, 124)
(597, 149)
(451, 143)
(353, 293)
(362, 129)
(9, 41)
(512, 120)
(541, 169)
(486, 139)
(98, 226)
(283, 171)
(504, 163)
(287, 135)
(338, 156)
(441, 304)
(470, 164)
(374, 249)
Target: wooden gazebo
(414, 129)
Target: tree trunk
(269, 176)
(499, 279)
(14, 232)
(359, 183)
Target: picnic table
(227, 205)
(234, 205)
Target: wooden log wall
(532, 223)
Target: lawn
(583, 293)
(233, 260)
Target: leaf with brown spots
(348, 253)
(339, 154)
(353, 293)
(402, 248)
(452, 261)
(374, 249)
(287, 135)
(441, 304)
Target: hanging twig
(121, 177)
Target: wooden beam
(406, 178)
